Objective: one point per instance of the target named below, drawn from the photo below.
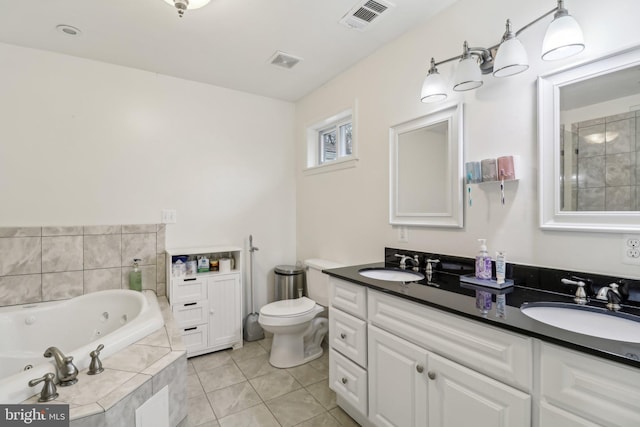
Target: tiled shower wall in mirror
(53, 263)
(601, 164)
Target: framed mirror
(425, 170)
(589, 145)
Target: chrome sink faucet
(581, 295)
(614, 294)
(67, 371)
(415, 262)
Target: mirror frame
(454, 216)
(551, 215)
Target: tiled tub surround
(130, 378)
(40, 264)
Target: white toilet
(297, 332)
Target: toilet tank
(317, 281)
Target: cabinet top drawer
(188, 289)
(348, 297)
(503, 355)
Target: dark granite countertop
(445, 292)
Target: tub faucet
(67, 371)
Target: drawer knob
(431, 375)
(344, 380)
(419, 368)
(343, 335)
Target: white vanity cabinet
(421, 366)
(348, 346)
(582, 390)
(207, 306)
(448, 371)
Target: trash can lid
(289, 269)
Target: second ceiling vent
(365, 13)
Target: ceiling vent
(284, 60)
(365, 13)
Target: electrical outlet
(169, 216)
(403, 234)
(631, 249)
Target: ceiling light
(68, 30)
(562, 39)
(600, 137)
(183, 5)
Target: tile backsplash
(53, 263)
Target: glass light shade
(563, 39)
(193, 4)
(434, 88)
(468, 75)
(511, 59)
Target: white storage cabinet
(207, 306)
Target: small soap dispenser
(483, 261)
(135, 277)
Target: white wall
(500, 119)
(87, 143)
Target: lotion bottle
(483, 261)
(501, 267)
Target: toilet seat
(289, 308)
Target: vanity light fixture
(183, 5)
(562, 39)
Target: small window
(331, 141)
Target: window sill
(330, 167)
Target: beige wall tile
(139, 228)
(20, 289)
(20, 231)
(102, 279)
(62, 231)
(62, 253)
(57, 286)
(20, 255)
(102, 251)
(102, 229)
(141, 246)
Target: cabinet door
(397, 381)
(556, 417)
(459, 396)
(225, 317)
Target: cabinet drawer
(190, 313)
(552, 416)
(188, 289)
(195, 338)
(348, 335)
(499, 354)
(603, 392)
(348, 297)
(348, 380)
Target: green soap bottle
(135, 277)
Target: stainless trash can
(290, 282)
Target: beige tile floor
(240, 388)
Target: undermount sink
(391, 274)
(593, 321)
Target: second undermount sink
(586, 320)
(391, 274)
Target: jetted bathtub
(115, 318)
